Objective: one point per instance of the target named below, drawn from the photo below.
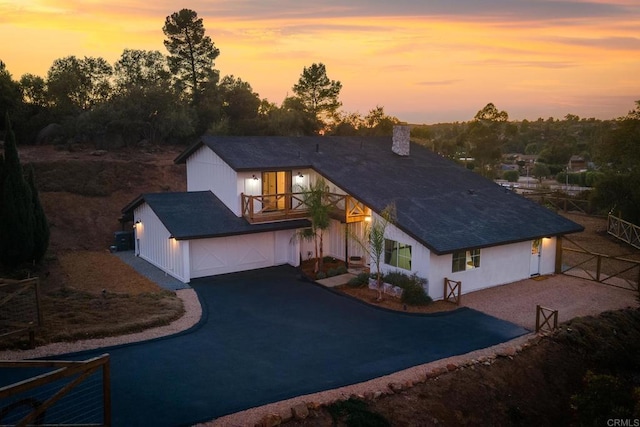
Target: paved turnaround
(266, 336)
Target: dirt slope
(83, 190)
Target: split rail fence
(615, 271)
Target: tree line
(178, 96)
(173, 98)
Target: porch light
(138, 222)
(255, 178)
(367, 218)
(300, 175)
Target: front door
(536, 254)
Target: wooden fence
(615, 271)
(71, 393)
(559, 203)
(624, 230)
(546, 319)
(20, 307)
(452, 291)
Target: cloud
(608, 43)
(439, 82)
(496, 62)
(518, 10)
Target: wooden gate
(615, 271)
(452, 291)
(20, 307)
(68, 393)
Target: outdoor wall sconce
(300, 175)
(137, 223)
(255, 178)
(367, 218)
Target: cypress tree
(41, 225)
(16, 207)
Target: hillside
(83, 190)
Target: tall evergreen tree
(16, 207)
(192, 54)
(41, 225)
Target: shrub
(341, 269)
(321, 275)
(328, 259)
(414, 294)
(511, 176)
(332, 272)
(360, 281)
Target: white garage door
(209, 257)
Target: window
(397, 254)
(466, 260)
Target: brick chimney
(401, 144)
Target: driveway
(266, 336)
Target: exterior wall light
(255, 178)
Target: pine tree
(41, 225)
(16, 207)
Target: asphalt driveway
(266, 336)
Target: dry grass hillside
(83, 192)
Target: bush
(328, 259)
(341, 269)
(511, 176)
(321, 275)
(360, 281)
(414, 294)
(332, 272)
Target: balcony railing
(287, 206)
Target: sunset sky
(424, 61)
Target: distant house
(577, 164)
(242, 210)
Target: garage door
(209, 257)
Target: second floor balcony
(287, 206)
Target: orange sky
(440, 61)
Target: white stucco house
(241, 211)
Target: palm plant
(372, 241)
(315, 199)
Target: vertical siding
(156, 246)
(207, 171)
(499, 265)
(420, 255)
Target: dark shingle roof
(438, 202)
(200, 214)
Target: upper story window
(466, 260)
(397, 254)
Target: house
(242, 209)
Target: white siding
(420, 255)
(498, 265)
(155, 245)
(207, 171)
(230, 254)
